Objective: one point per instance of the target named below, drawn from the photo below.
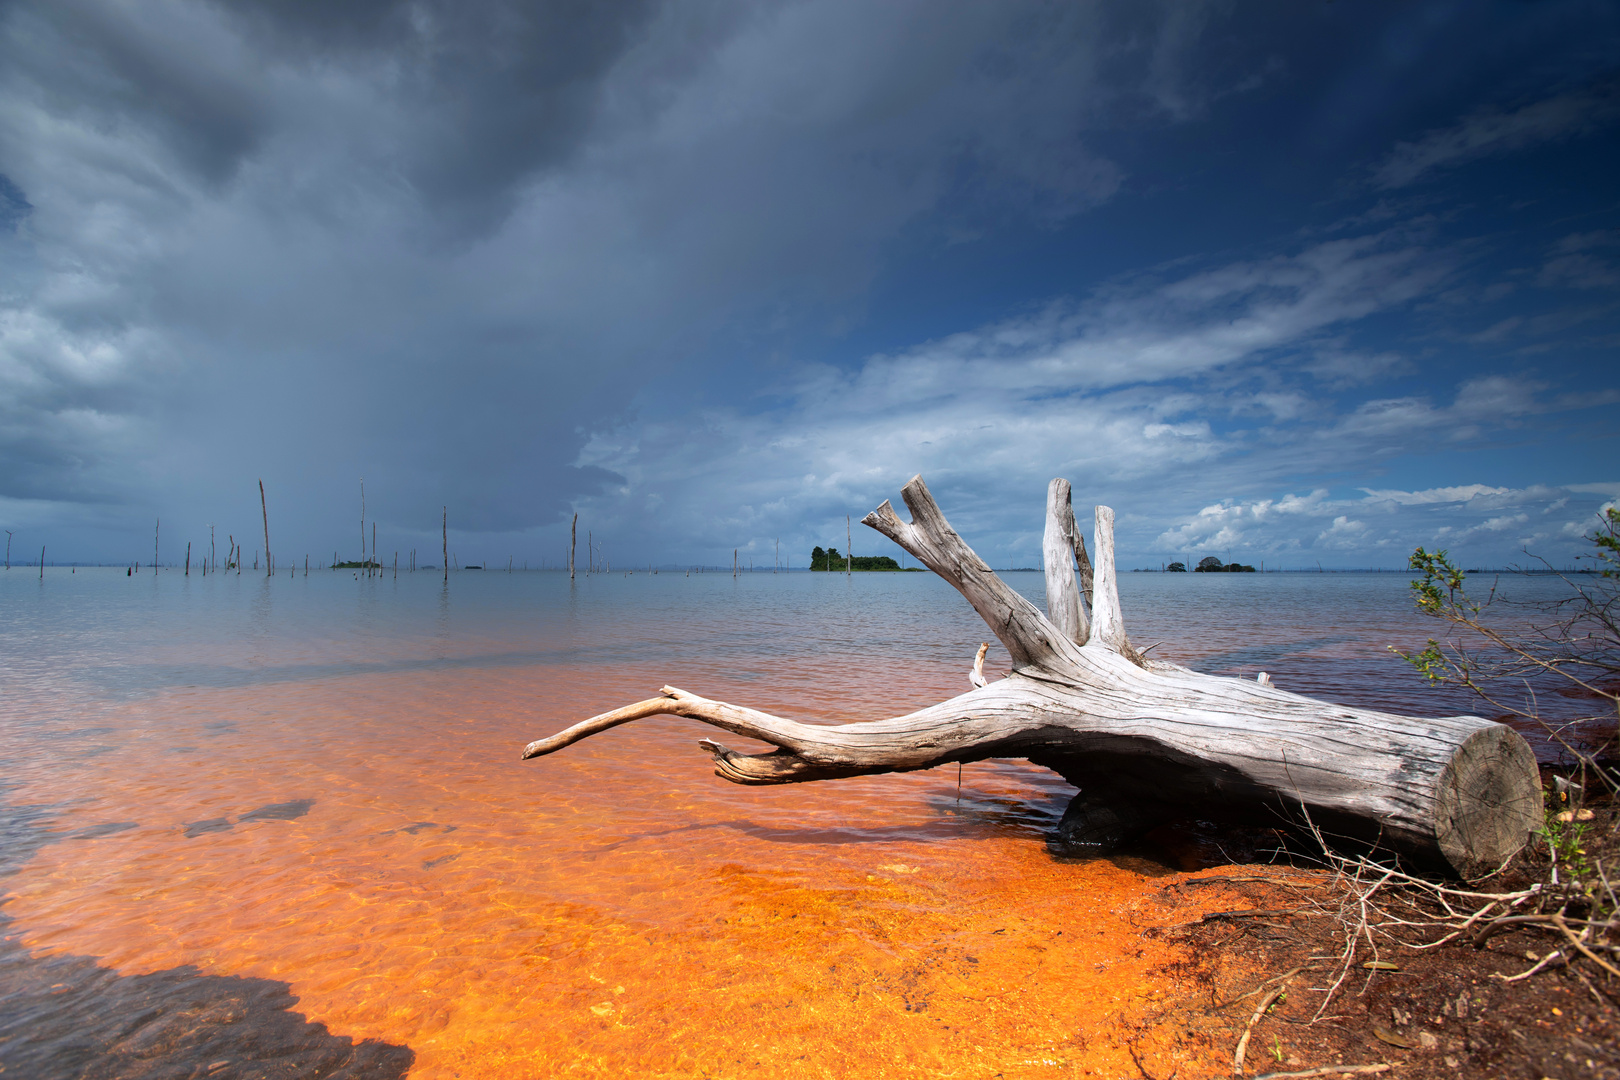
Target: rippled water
(280, 827)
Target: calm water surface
(257, 827)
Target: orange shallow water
(330, 797)
(488, 915)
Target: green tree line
(830, 559)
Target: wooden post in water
(188, 558)
(573, 541)
(42, 562)
(154, 544)
(396, 566)
(362, 519)
(445, 525)
(849, 549)
(374, 549)
(265, 510)
(8, 549)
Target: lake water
(279, 827)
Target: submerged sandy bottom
(614, 910)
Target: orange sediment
(614, 910)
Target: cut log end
(1488, 801)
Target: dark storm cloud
(437, 245)
(178, 145)
(492, 92)
(515, 259)
(14, 205)
(495, 91)
(117, 66)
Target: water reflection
(263, 609)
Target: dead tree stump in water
(1145, 741)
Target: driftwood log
(1146, 741)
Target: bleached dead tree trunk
(1144, 740)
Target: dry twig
(1248, 1030)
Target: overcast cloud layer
(1302, 283)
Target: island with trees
(1211, 565)
(831, 559)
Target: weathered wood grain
(1063, 605)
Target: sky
(1294, 282)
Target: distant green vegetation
(832, 560)
(1212, 565)
(373, 565)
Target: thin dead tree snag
(1146, 741)
(265, 509)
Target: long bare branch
(1029, 638)
(995, 721)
